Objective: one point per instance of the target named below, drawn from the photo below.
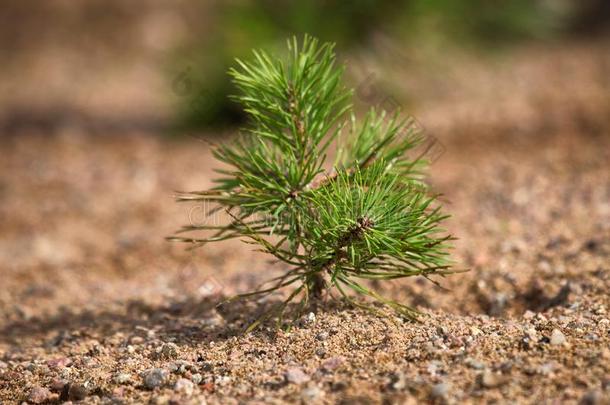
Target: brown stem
(318, 285)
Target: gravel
(310, 394)
(77, 392)
(146, 284)
(184, 386)
(441, 390)
(39, 395)
(59, 363)
(167, 351)
(155, 378)
(398, 381)
(332, 363)
(295, 375)
(322, 336)
(490, 379)
(557, 338)
(122, 378)
(474, 363)
(196, 378)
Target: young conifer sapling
(366, 215)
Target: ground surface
(93, 300)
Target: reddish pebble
(332, 363)
(59, 363)
(39, 395)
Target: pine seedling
(367, 215)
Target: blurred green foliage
(479, 22)
(239, 26)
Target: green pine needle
(369, 218)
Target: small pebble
(77, 392)
(295, 375)
(310, 394)
(167, 351)
(399, 381)
(118, 393)
(441, 390)
(39, 395)
(58, 385)
(490, 379)
(529, 315)
(59, 363)
(136, 340)
(531, 333)
(474, 363)
(179, 366)
(474, 331)
(545, 369)
(122, 378)
(442, 331)
(332, 363)
(184, 386)
(222, 380)
(434, 367)
(322, 336)
(196, 378)
(309, 319)
(155, 378)
(592, 337)
(557, 338)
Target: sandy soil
(95, 306)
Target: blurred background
(160, 67)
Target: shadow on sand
(188, 322)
